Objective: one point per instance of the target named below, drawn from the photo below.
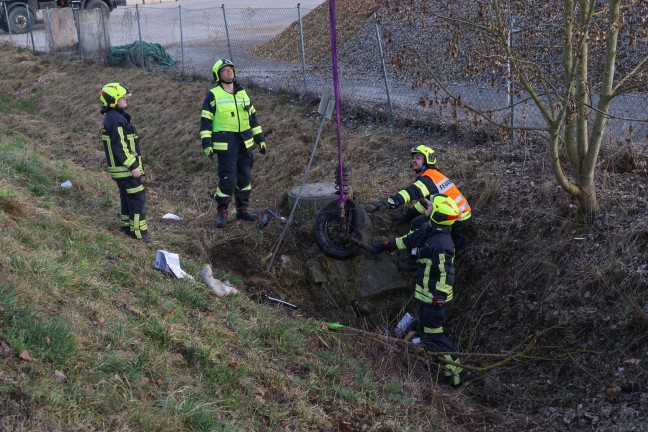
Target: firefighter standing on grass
(230, 129)
(124, 160)
(429, 181)
(434, 277)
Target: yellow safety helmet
(220, 64)
(444, 210)
(111, 93)
(426, 151)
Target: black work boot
(221, 218)
(243, 214)
(145, 238)
(128, 232)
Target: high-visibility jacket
(224, 114)
(121, 143)
(435, 273)
(431, 182)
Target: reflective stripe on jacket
(224, 113)
(435, 271)
(121, 144)
(431, 182)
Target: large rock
(380, 276)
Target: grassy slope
(109, 343)
(191, 360)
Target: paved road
(192, 32)
(207, 4)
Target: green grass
(114, 344)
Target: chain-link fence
(290, 49)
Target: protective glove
(380, 247)
(401, 219)
(262, 147)
(209, 152)
(382, 205)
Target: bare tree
(571, 59)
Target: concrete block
(62, 31)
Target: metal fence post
(6, 9)
(229, 46)
(106, 38)
(139, 32)
(509, 78)
(31, 27)
(49, 27)
(77, 14)
(301, 44)
(139, 26)
(384, 67)
(181, 42)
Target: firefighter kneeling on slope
(229, 128)
(124, 160)
(428, 182)
(435, 275)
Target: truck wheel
(98, 4)
(332, 232)
(20, 20)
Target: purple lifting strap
(336, 92)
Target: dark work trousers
(431, 321)
(133, 205)
(433, 337)
(234, 174)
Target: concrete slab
(315, 195)
(93, 41)
(60, 29)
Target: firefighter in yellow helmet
(229, 128)
(435, 276)
(124, 160)
(428, 182)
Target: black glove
(262, 148)
(380, 247)
(380, 205)
(401, 219)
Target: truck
(19, 16)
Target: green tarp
(141, 54)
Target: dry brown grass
(531, 265)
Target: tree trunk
(587, 202)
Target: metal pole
(301, 43)
(106, 38)
(181, 41)
(31, 27)
(325, 114)
(229, 46)
(78, 14)
(384, 67)
(509, 76)
(139, 26)
(139, 32)
(6, 9)
(49, 27)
